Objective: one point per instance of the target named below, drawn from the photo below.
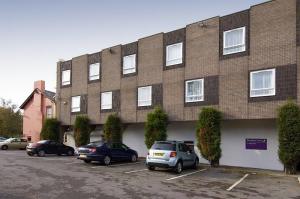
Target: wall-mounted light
(65, 103)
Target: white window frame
(49, 115)
(243, 44)
(106, 106)
(65, 83)
(75, 109)
(180, 60)
(144, 102)
(201, 96)
(97, 76)
(273, 83)
(130, 69)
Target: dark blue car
(106, 153)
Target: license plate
(82, 156)
(159, 154)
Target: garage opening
(298, 167)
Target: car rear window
(42, 142)
(95, 144)
(164, 146)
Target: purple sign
(256, 144)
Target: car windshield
(93, 144)
(42, 142)
(10, 139)
(167, 146)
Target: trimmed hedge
(208, 135)
(51, 130)
(82, 130)
(288, 122)
(113, 129)
(156, 127)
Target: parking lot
(66, 177)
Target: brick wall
(270, 43)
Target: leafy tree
(113, 129)
(11, 120)
(82, 130)
(288, 122)
(156, 127)
(209, 135)
(51, 129)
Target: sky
(35, 34)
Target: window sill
(173, 66)
(144, 107)
(129, 74)
(94, 81)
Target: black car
(106, 153)
(44, 147)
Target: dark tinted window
(116, 145)
(183, 147)
(164, 146)
(53, 143)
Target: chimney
(39, 85)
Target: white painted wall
(69, 141)
(133, 136)
(185, 131)
(233, 136)
(233, 144)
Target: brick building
(39, 105)
(244, 64)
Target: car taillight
(173, 154)
(92, 150)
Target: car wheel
(30, 154)
(196, 163)
(41, 153)
(133, 158)
(4, 147)
(70, 153)
(151, 168)
(106, 160)
(178, 167)
(87, 161)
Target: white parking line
(136, 171)
(299, 180)
(185, 175)
(238, 182)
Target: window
(234, 41)
(106, 100)
(94, 71)
(65, 138)
(129, 64)
(66, 77)
(49, 113)
(194, 90)
(262, 83)
(174, 54)
(145, 96)
(76, 104)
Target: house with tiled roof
(38, 106)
